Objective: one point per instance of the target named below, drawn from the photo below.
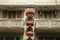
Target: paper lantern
(29, 34)
(30, 23)
(30, 13)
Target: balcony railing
(47, 23)
(11, 23)
(38, 23)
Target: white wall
(25, 2)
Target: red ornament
(30, 23)
(30, 13)
(30, 33)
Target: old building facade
(46, 19)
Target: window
(4, 14)
(12, 14)
(46, 14)
(19, 14)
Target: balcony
(47, 23)
(11, 23)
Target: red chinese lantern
(30, 13)
(30, 33)
(30, 23)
